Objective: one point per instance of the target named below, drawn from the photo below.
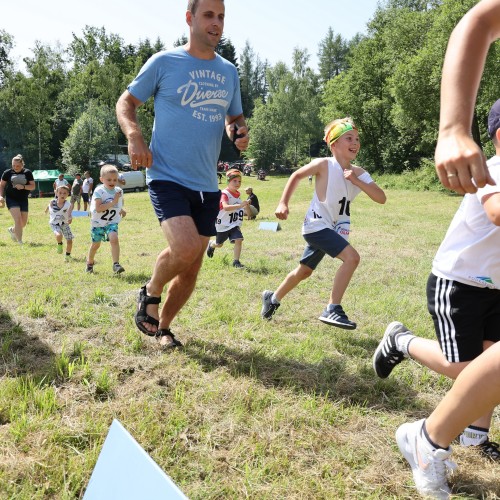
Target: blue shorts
(99, 234)
(21, 204)
(321, 243)
(232, 235)
(170, 199)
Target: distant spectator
(87, 188)
(121, 180)
(253, 208)
(60, 181)
(76, 191)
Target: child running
(230, 218)
(106, 211)
(327, 222)
(463, 296)
(59, 210)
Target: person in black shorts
(181, 160)
(463, 295)
(15, 187)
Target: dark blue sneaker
(268, 307)
(337, 317)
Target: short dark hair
(193, 5)
(494, 120)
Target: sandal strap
(146, 299)
(166, 332)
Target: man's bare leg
(185, 246)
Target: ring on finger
(451, 175)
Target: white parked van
(134, 180)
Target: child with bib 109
(59, 210)
(230, 218)
(106, 211)
(327, 222)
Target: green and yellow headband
(337, 130)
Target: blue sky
(273, 27)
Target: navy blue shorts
(232, 235)
(464, 316)
(21, 204)
(170, 199)
(321, 243)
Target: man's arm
(126, 113)
(458, 157)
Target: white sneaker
(429, 466)
(12, 234)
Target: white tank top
(334, 212)
(58, 215)
(227, 220)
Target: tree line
(59, 112)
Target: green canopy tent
(44, 182)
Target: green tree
(332, 54)
(89, 137)
(6, 44)
(252, 79)
(284, 127)
(27, 103)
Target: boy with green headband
(327, 223)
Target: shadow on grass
(332, 378)
(21, 353)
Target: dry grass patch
(248, 409)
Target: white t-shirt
(111, 215)
(227, 220)
(61, 182)
(87, 185)
(334, 212)
(470, 251)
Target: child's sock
(427, 441)
(473, 436)
(274, 300)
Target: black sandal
(165, 332)
(141, 316)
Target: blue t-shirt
(191, 100)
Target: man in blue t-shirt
(196, 96)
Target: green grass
(248, 409)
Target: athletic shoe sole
(338, 324)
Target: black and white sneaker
(387, 355)
(337, 317)
(90, 268)
(268, 307)
(237, 264)
(210, 250)
(490, 450)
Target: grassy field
(287, 409)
